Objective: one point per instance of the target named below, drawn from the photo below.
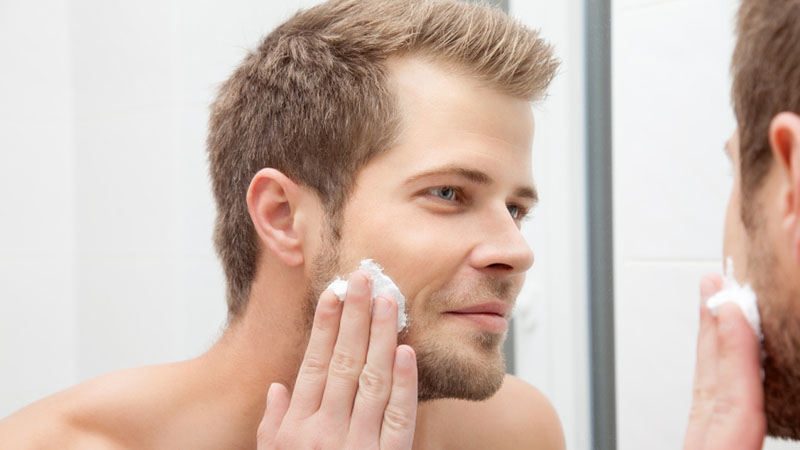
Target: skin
(728, 403)
(218, 399)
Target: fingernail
(359, 284)
(707, 289)
(405, 356)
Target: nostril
(500, 266)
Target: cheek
(734, 240)
(420, 254)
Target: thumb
(277, 405)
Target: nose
(502, 249)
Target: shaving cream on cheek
(381, 284)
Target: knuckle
(396, 419)
(702, 396)
(724, 409)
(324, 315)
(344, 365)
(314, 365)
(371, 384)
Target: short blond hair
(313, 101)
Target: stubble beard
(471, 369)
(443, 371)
(780, 323)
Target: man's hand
(356, 389)
(728, 401)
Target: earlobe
(271, 200)
(784, 138)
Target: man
(393, 130)
(731, 406)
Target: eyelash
(523, 213)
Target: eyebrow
(475, 176)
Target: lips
(487, 316)
(496, 308)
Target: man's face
(759, 253)
(441, 212)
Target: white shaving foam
(381, 284)
(742, 296)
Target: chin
(460, 368)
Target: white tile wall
(36, 203)
(127, 312)
(671, 120)
(657, 305)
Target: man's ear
(784, 139)
(272, 199)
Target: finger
(738, 420)
(375, 382)
(705, 372)
(400, 416)
(310, 383)
(350, 351)
(277, 404)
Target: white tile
(122, 55)
(127, 313)
(196, 202)
(35, 60)
(671, 119)
(656, 315)
(779, 444)
(203, 304)
(36, 187)
(37, 326)
(127, 191)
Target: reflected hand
(728, 398)
(356, 387)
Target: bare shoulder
(533, 421)
(96, 414)
(517, 417)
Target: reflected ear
(272, 200)
(784, 139)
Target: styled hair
(313, 102)
(766, 81)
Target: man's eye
(445, 193)
(516, 211)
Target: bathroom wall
(37, 194)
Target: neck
(264, 345)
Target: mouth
(492, 317)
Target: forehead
(434, 92)
(449, 117)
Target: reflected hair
(766, 81)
